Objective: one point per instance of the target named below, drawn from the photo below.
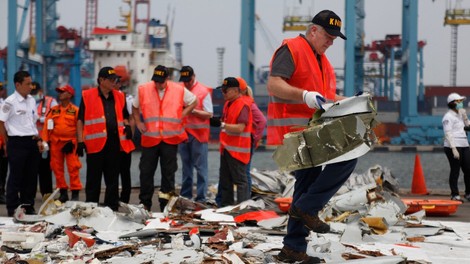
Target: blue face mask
(459, 106)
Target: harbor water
(401, 164)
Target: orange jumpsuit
(65, 129)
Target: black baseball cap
(229, 82)
(160, 74)
(330, 22)
(107, 73)
(186, 73)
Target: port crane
(421, 129)
(455, 17)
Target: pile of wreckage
(367, 219)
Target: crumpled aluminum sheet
(342, 132)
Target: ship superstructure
(133, 54)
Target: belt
(25, 137)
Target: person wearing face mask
(455, 124)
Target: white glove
(313, 99)
(463, 114)
(456, 153)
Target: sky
(204, 25)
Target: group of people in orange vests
(172, 117)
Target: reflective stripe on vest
(94, 130)
(237, 144)
(48, 101)
(162, 116)
(95, 121)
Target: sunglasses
(225, 90)
(115, 80)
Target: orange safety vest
(285, 116)
(42, 111)
(162, 116)
(94, 129)
(238, 145)
(194, 125)
(65, 123)
(249, 101)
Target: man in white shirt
(18, 118)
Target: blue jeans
(194, 155)
(313, 189)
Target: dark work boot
(75, 195)
(64, 197)
(312, 222)
(289, 255)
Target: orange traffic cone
(418, 186)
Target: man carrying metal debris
(301, 78)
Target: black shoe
(3, 199)
(64, 197)
(28, 209)
(75, 195)
(290, 256)
(311, 222)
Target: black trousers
(455, 166)
(125, 161)
(23, 159)
(148, 165)
(104, 163)
(45, 174)
(3, 171)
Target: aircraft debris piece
(135, 213)
(342, 132)
(274, 223)
(179, 204)
(25, 240)
(378, 225)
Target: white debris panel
(367, 221)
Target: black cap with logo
(330, 22)
(107, 73)
(160, 74)
(229, 82)
(186, 73)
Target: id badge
(50, 124)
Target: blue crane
(421, 129)
(44, 42)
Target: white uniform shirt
(453, 125)
(129, 101)
(207, 102)
(19, 115)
